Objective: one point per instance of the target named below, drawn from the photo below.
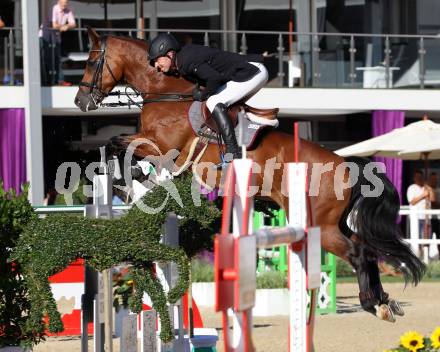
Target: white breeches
(232, 91)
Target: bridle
(95, 87)
(97, 94)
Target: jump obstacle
(276, 259)
(93, 295)
(236, 253)
(235, 256)
(102, 207)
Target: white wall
(291, 101)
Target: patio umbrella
(415, 136)
(429, 150)
(416, 141)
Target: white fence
(419, 244)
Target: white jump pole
(235, 264)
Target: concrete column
(228, 16)
(313, 16)
(232, 25)
(140, 19)
(373, 24)
(224, 22)
(33, 113)
(303, 24)
(153, 19)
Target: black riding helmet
(161, 45)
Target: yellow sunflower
(435, 338)
(412, 340)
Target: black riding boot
(224, 124)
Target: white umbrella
(413, 137)
(429, 150)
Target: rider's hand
(199, 94)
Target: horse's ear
(93, 36)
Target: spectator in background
(420, 195)
(435, 220)
(61, 20)
(2, 24)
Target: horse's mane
(141, 43)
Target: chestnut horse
(373, 233)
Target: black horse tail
(373, 220)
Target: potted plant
(15, 213)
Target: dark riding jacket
(211, 67)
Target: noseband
(95, 87)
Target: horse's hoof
(384, 312)
(396, 307)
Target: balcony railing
(11, 56)
(315, 60)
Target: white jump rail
(235, 253)
(415, 239)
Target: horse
(359, 229)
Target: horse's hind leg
(372, 297)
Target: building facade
(343, 60)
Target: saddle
(262, 116)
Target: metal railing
(317, 60)
(330, 60)
(10, 44)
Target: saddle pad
(250, 129)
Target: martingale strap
(168, 97)
(159, 97)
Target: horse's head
(103, 71)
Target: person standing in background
(435, 221)
(420, 196)
(61, 20)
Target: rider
(227, 77)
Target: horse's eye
(91, 63)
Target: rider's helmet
(161, 45)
